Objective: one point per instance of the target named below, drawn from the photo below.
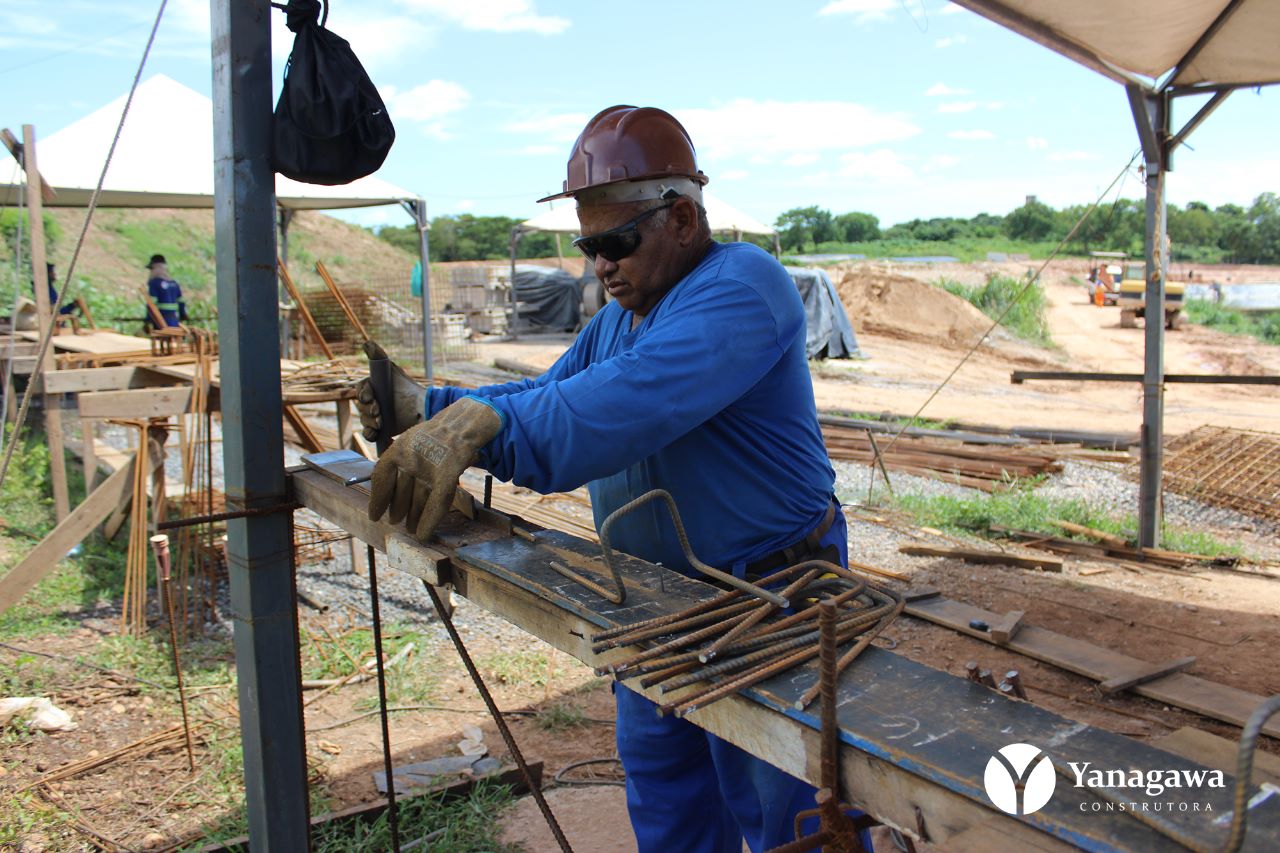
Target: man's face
(640, 280)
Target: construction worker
(165, 292)
(692, 379)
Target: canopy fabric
(1186, 42)
(563, 219)
(165, 159)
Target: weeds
(1026, 310)
(1263, 325)
(560, 717)
(1023, 509)
(525, 668)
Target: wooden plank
(1150, 672)
(44, 314)
(974, 555)
(101, 342)
(914, 741)
(1219, 701)
(82, 379)
(305, 434)
(46, 556)
(1219, 753)
(1007, 628)
(136, 403)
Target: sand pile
(888, 304)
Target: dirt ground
(1229, 622)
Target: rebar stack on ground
(196, 581)
(1234, 468)
(733, 641)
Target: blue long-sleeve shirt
(709, 397)
(167, 296)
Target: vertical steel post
(258, 548)
(420, 216)
(1151, 116)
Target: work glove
(409, 399)
(418, 474)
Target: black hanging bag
(330, 125)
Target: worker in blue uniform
(692, 379)
(165, 292)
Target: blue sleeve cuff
(502, 416)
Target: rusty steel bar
(761, 611)
(160, 547)
(698, 620)
(670, 645)
(616, 597)
(852, 655)
(828, 677)
(665, 496)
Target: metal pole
(1151, 115)
(420, 215)
(258, 547)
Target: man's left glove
(418, 475)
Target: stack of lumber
(1234, 468)
(987, 467)
(1111, 549)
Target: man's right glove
(418, 474)
(409, 399)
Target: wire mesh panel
(391, 314)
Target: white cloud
(881, 164)
(942, 90)
(958, 107)
(948, 41)
(733, 175)
(465, 204)
(1037, 143)
(560, 127)
(756, 128)
(994, 105)
(950, 9)
(941, 161)
(801, 159)
(862, 10)
(377, 39)
(16, 23)
(1069, 156)
(499, 16)
(427, 102)
(971, 134)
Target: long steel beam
(259, 558)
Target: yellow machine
(1133, 294)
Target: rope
(1030, 281)
(47, 338)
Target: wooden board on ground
(915, 742)
(975, 555)
(1218, 701)
(1212, 751)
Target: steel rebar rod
(760, 612)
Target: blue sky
(902, 108)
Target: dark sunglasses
(616, 243)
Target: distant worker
(165, 292)
(693, 379)
(52, 277)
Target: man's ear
(684, 218)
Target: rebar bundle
(733, 641)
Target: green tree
(857, 227)
(801, 226)
(1194, 226)
(1033, 221)
(1265, 216)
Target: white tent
(563, 219)
(165, 159)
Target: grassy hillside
(110, 272)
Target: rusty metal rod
(852, 655)
(160, 547)
(617, 597)
(828, 678)
(707, 617)
(670, 645)
(761, 611)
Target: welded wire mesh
(1234, 468)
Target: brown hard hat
(625, 143)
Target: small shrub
(1021, 307)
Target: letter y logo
(1019, 779)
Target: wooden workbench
(915, 741)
